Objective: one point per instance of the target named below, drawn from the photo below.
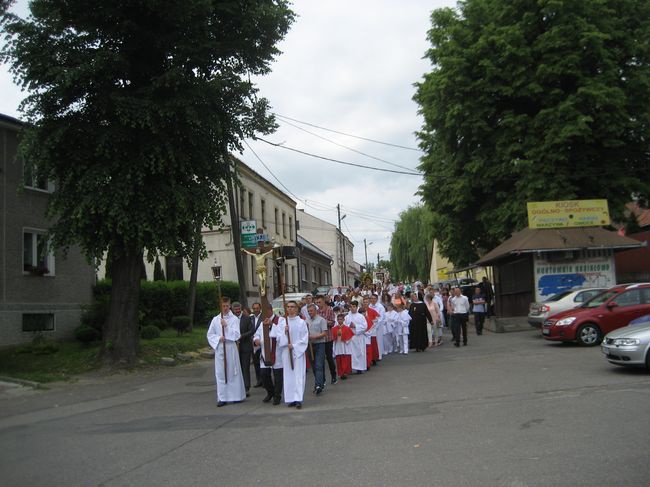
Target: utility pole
(377, 260)
(342, 262)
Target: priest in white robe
(357, 322)
(380, 324)
(292, 337)
(222, 336)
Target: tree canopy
(132, 109)
(532, 100)
(411, 244)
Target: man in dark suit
(256, 317)
(246, 328)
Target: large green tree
(132, 109)
(532, 100)
(411, 244)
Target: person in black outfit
(257, 321)
(419, 312)
(246, 328)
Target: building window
(284, 225)
(277, 230)
(37, 257)
(305, 277)
(320, 276)
(291, 228)
(174, 268)
(313, 275)
(263, 212)
(242, 207)
(38, 322)
(251, 214)
(31, 180)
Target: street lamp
(365, 247)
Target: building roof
(558, 239)
(6, 120)
(303, 242)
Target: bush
(181, 323)
(150, 332)
(95, 314)
(86, 334)
(162, 300)
(158, 323)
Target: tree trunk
(193, 277)
(236, 239)
(120, 332)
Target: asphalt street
(507, 410)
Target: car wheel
(588, 335)
(647, 360)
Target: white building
(258, 200)
(328, 238)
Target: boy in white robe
(404, 320)
(380, 324)
(222, 336)
(293, 377)
(357, 322)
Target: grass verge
(57, 361)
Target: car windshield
(599, 299)
(558, 296)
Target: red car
(612, 309)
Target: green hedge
(162, 300)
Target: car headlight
(626, 341)
(565, 321)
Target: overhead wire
(347, 135)
(348, 148)
(380, 169)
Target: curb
(22, 382)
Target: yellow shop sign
(572, 213)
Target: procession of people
(349, 331)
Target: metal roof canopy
(531, 240)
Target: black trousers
(329, 355)
(256, 364)
(272, 381)
(479, 319)
(245, 361)
(458, 325)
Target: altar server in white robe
(294, 378)
(357, 322)
(380, 324)
(222, 336)
(404, 320)
(390, 321)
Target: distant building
(315, 266)
(330, 240)
(41, 291)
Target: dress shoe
(267, 398)
(298, 405)
(456, 344)
(464, 344)
(276, 401)
(344, 377)
(259, 384)
(291, 404)
(221, 404)
(248, 394)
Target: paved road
(508, 410)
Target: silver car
(629, 345)
(571, 298)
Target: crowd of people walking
(349, 331)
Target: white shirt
(459, 304)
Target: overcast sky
(347, 66)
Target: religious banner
(564, 214)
